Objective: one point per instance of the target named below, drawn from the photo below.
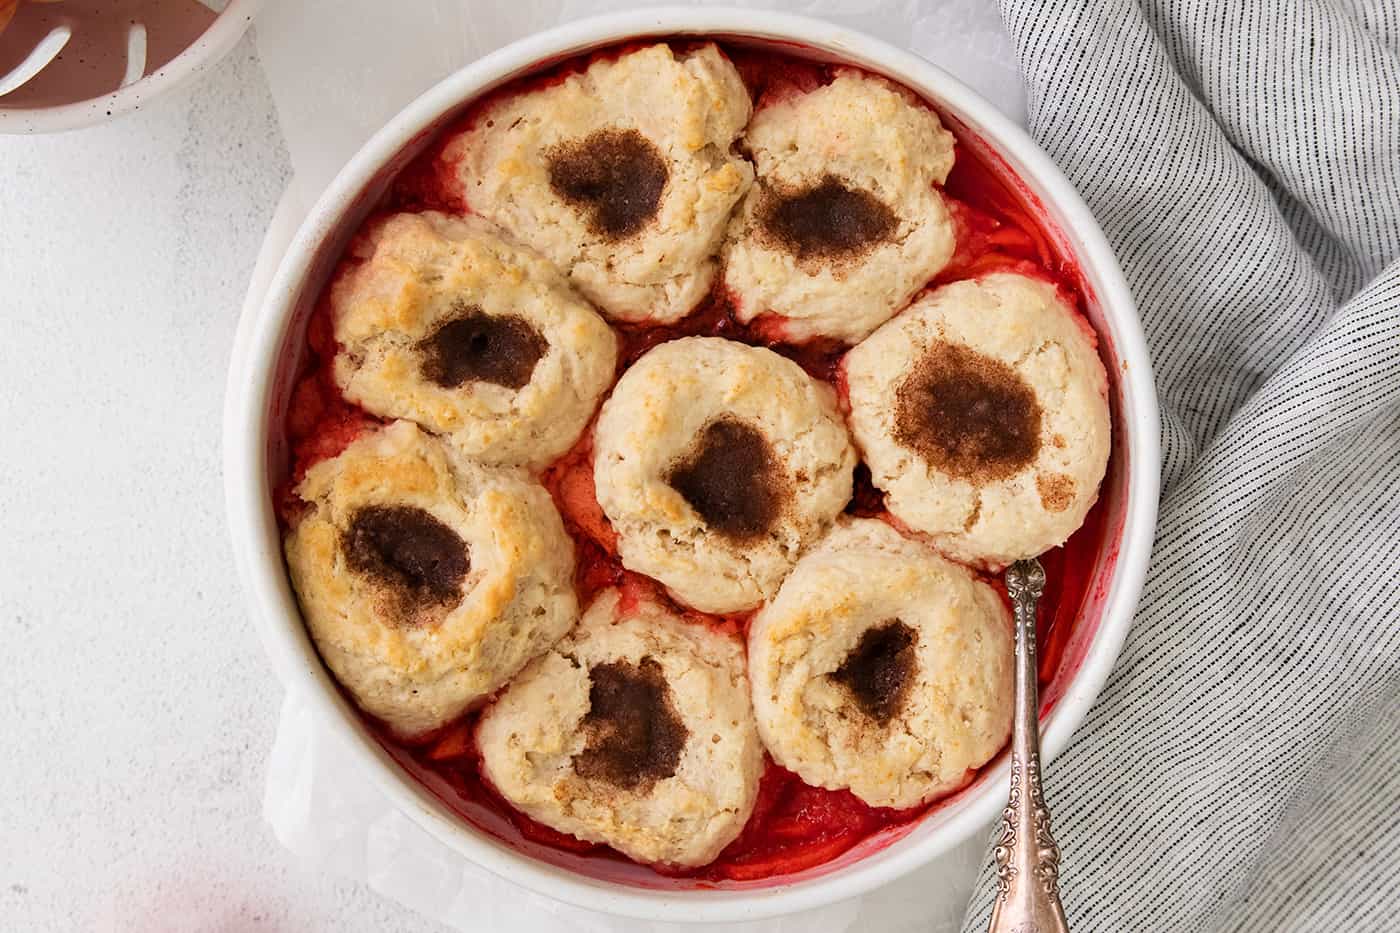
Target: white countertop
(136, 707)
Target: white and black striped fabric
(1241, 770)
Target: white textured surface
(136, 708)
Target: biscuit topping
(635, 736)
(732, 480)
(477, 347)
(880, 669)
(409, 550)
(828, 221)
(968, 414)
(615, 176)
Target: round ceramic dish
(114, 58)
(261, 377)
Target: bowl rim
(203, 53)
(257, 547)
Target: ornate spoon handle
(1028, 861)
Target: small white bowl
(74, 108)
(259, 384)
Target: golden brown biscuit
(982, 412)
(717, 463)
(634, 730)
(448, 323)
(843, 224)
(883, 668)
(427, 580)
(622, 174)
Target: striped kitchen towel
(1241, 770)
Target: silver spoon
(1028, 861)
